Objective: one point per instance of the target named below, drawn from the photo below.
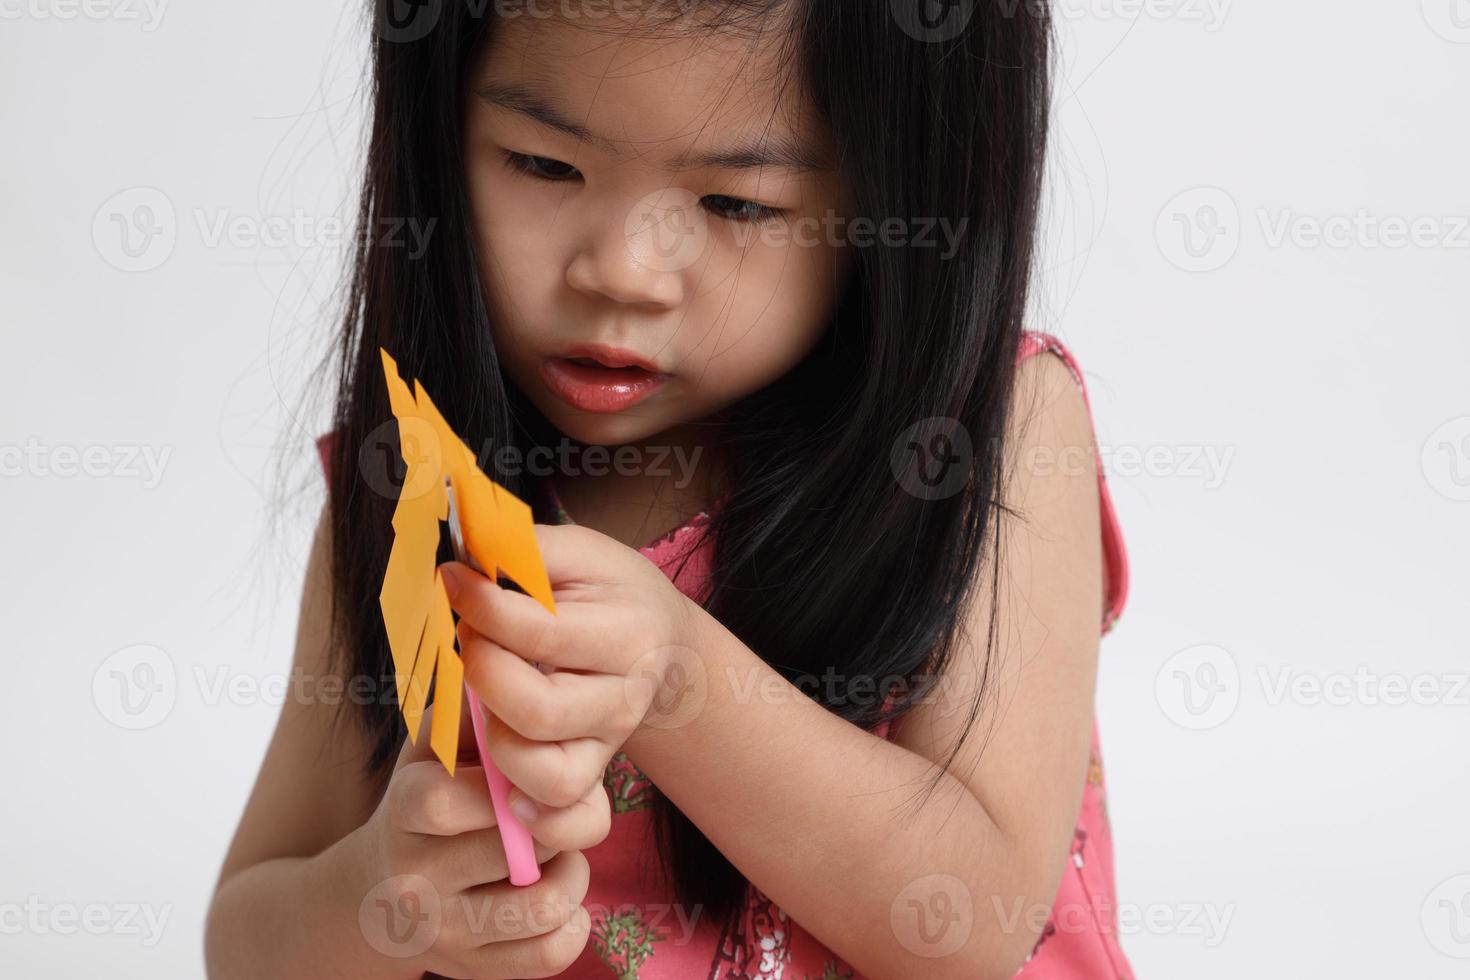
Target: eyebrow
(781, 150)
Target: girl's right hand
(431, 874)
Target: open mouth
(590, 385)
(593, 363)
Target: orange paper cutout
(498, 534)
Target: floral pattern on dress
(763, 943)
(626, 785)
(624, 940)
(757, 946)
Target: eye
(730, 208)
(736, 209)
(537, 166)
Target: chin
(612, 429)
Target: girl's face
(661, 197)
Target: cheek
(775, 310)
(516, 263)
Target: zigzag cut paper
(498, 534)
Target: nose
(641, 255)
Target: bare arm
(844, 853)
(283, 905)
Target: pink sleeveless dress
(640, 933)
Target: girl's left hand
(620, 624)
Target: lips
(612, 357)
(601, 379)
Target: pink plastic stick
(520, 851)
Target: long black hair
(933, 118)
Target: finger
(577, 553)
(551, 707)
(521, 624)
(539, 956)
(543, 955)
(472, 859)
(555, 774)
(550, 955)
(500, 912)
(578, 827)
(427, 800)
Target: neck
(659, 484)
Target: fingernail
(451, 580)
(523, 808)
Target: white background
(1324, 377)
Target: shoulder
(1035, 343)
(1051, 391)
(1027, 643)
(1050, 429)
(1049, 378)
(1044, 359)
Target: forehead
(667, 94)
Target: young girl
(731, 291)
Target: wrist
(342, 877)
(689, 683)
(691, 625)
